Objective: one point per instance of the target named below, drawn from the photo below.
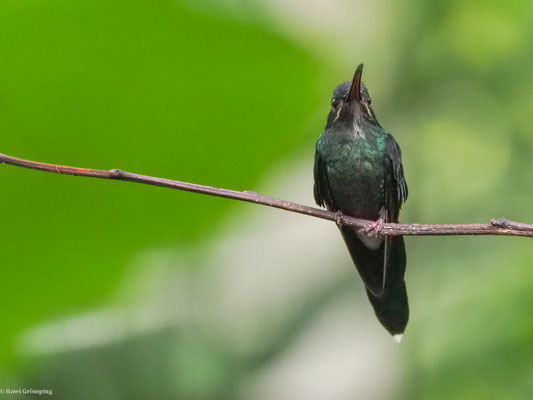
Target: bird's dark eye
(334, 103)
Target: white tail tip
(398, 338)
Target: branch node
(338, 218)
(117, 173)
(500, 222)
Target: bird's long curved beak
(355, 89)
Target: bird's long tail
(388, 298)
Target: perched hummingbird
(359, 172)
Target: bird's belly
(357, 187)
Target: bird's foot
(338, 218)
(374, 229)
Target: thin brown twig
(500, 226)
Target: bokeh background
(114, 290)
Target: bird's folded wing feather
(395, 188)
(321, 189)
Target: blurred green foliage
(466, 89)
(158, 88)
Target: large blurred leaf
(147, 86)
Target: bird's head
(350, 104)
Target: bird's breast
(356, 178)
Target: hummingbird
(358, 172)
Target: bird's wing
(395, 185)
(321, 188)
(395, 195)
